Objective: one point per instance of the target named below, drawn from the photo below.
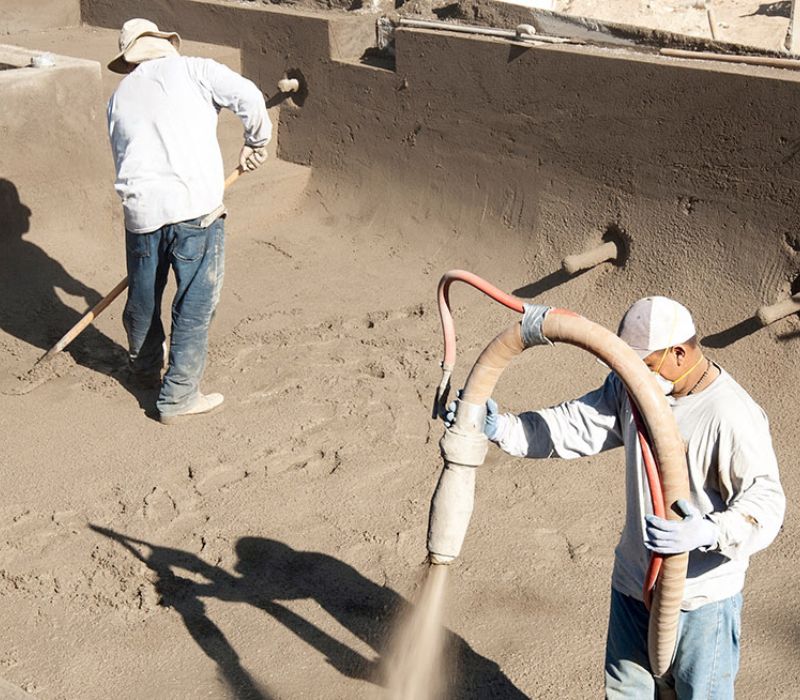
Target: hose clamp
(532, 320)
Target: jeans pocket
(137, 245)
(191, 242)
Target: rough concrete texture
(748, 22)
(53, 188)
(263, 552)
(16, 16)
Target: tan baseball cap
(141, 40)
(656, 323)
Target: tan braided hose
(464, 447)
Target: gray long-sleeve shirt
(162, 122)
(733, 475)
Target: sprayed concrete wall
(695, 163)
(57, 163)
(24, 16)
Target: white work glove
(493, 426)
(252, 156)
(676, 536)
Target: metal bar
(733, 58)
(484, 31)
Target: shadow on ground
(782, 8)
(268, 571)
(30, 308)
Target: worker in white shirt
(162, 123)
(736, 507)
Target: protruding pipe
(573, 264)
(775, 312)
(289, 85)
(525, 31)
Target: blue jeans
(197, 256)
(706, 656)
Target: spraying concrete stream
(464, 448)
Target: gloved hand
(252, 156)
(491, 427)
(676, 536)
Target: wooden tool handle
(101, 305)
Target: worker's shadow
(269, 571)
(30, 308)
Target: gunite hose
(464, 446)
(669, 453)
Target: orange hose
(448, 328)
(657, 499)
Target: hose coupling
(466, 448)
(440, 559)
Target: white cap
(141, 40)
(656, 323)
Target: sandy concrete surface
(264, 551)
(750, 22)
(16, 16)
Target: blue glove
(490, 426)
(676, 536)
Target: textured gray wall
(53, 146)
(33, 15)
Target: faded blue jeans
(197, 256)
(706, 656)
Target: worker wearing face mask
(736, 506)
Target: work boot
(204, 403)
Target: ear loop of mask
(657, 370)
(689, 371)
(666, 351)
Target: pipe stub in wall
(525, 31)
(573, 264)
(289, 85)
(771, 313)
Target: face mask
(666, 386)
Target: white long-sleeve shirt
(733, 475)
(162, 122)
